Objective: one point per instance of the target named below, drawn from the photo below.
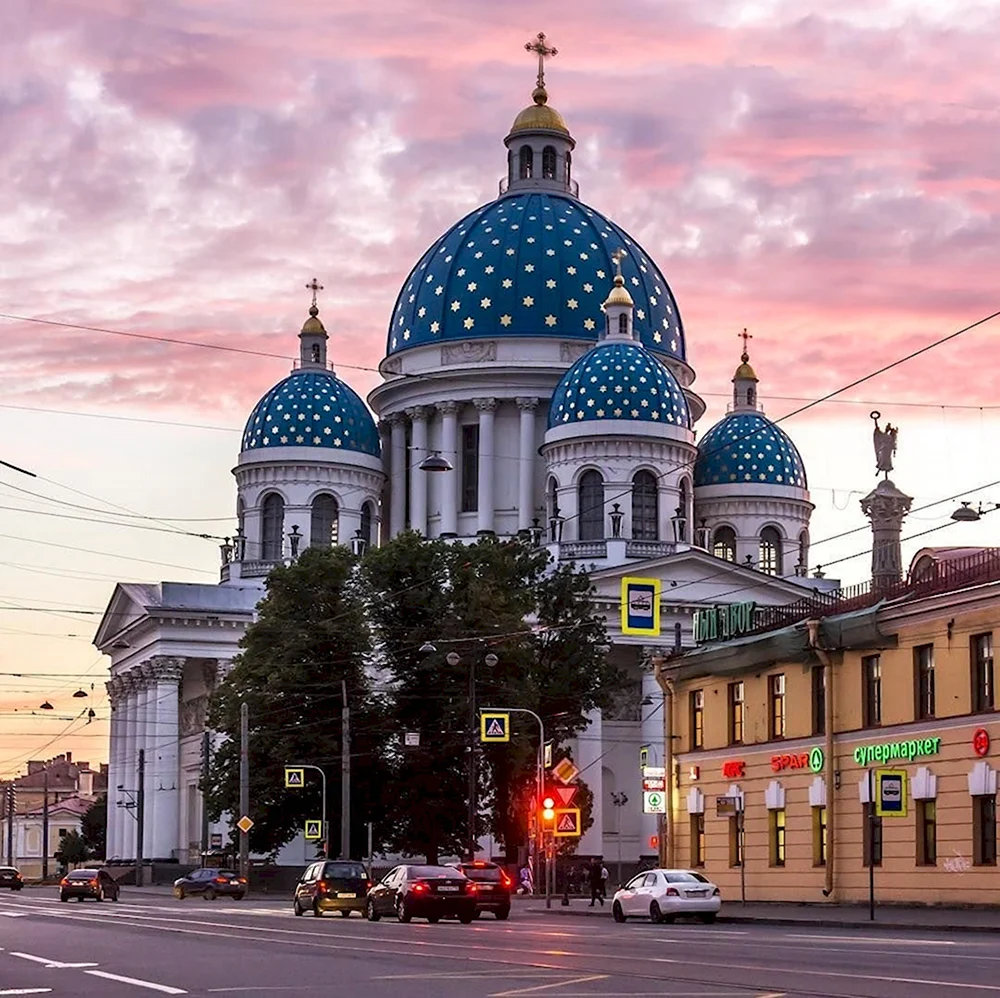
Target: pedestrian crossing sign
(294, 776)
(314, 830)
(494, 727)
(567, 823)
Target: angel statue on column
(885, 444)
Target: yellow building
(793, 718)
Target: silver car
(662, 895)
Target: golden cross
(745, 336)
(618, 255)
(314, 286)
(544, 51)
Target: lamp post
(555, 526)
(294, 539)
(619, 800)
(616, 516)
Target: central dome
(530, 264)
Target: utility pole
(345, 782)
(472, 759)
(11, 810)
(45, 824)
(206, 745)
(140, 816)
(244, 787)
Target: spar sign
(865, 755)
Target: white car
(662, 895)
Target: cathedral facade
(536, 382)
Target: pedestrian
(525, 886)
(604, 883)
(596, 884)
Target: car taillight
(368, 884)
(222, 880)
(716, 893)
(64, 882)
(322, 887)
(242, 880)
(505, 879)
(419, 888)
(672, 892)
(93, 883)
(471, 888)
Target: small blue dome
(746, 447)
(618, 379)
(312, 408)
(530, 264)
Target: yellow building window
(871, 691)
(777, 837)
(697, 699)
(982, 672)
(697, 840)
(923, 681)
(819, 836)
(736, 713)
(776, 696)
(872, 837)
(926, 833)
(735, 842)
(984, 830)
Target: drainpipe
(828, 768)
(667, 841)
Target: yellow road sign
(314, 830)
(494, 727)
(294, 776)
(245, 824)
(640, 606)
(567, 822)
(890, 793)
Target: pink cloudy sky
(820, 173)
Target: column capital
(141, 675)
(167, 668)
(527, 404)
(394, 419)
(117, 691)
(485, 405)
(418, 412)
(447, 408)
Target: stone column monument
(886, 507)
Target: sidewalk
(844, 916)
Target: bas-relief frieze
(192, 715)
(468, 353)
(569, 352)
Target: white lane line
(12, 914)
(549, 987)
(135, 982)
(52, 964)
(27, 991)
(876, 942)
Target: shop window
(982, 672)
(819, 836)
(724, 544)
(984, 830)
(871, 691)
(470, 468)
(272, 527)
(697, 701)
(776, 697)
(736, 713)
(735, 842)
(645, 507)
(769, 552)
(923, 681)
(697, 840)
(549, 163)
(818, 700)
(591, 506)
(872, 838)
(323, 521)
(526, 160)
(776, 837)
(926, 832)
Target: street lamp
(435, 462)
(616, 516)
(619, 800)
(536, 533)
(555, 526)
(294, 538)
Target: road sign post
(297, 772)
(494, 726)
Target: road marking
(136, 982)
(13, 914)
(53, 964)
(27, 991)
(549, 986)
(879, 942)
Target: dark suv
(332, 885)
(10, 878)
(494, 887)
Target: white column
(450, 480)
(589, 748)
(117, 697)
(486, 408)
(526, 463)
(397, 501)
(145, 734)
(164, 784)
(418, 478)
(130, 720)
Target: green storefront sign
(865, 755)
(719, 623)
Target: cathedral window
(366, 523)
(272, 527)
(623, 325)
(240, 513)
(470, 468)
(525, 162)
(591, 506)
(803, 552)
(724, 544)
(569, 161)
(684, 501)
(549, 163)
(324, 527)
(769, 560)
(645, 507)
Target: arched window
(549, 163)
(724, 544)
(323, 528)
(569, 160)
(240, 513)
(366, 523)
(684, 501)
(645, 507)
(623, 325)
(272, 527)
(591, 506)
(752, 396)
(769, 560)
(803, 552)
(525, 162)
(552, 497)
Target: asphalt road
(149, 945)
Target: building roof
(747, 448)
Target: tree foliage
(72, 849)
(94, 826)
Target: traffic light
(548, 809)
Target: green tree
(72, 849)
(310, 636)
(94, 826)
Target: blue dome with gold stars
(312, 408)
(618, 379)
(747, 448)
(530, 264)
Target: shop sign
(865, 755)
(981, 742)
(720, 623)
(654, 779)
(812, 760)
(735, 769)
(727, 807)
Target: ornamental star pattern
(640, 386)
(531, 256)
(747, 447)
(325, 413)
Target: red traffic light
(548, 803)
(548, 809)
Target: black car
(431, 892)
(332, 886)
(96, 884)
(10, 878)
(493, 887)
(210, 883)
